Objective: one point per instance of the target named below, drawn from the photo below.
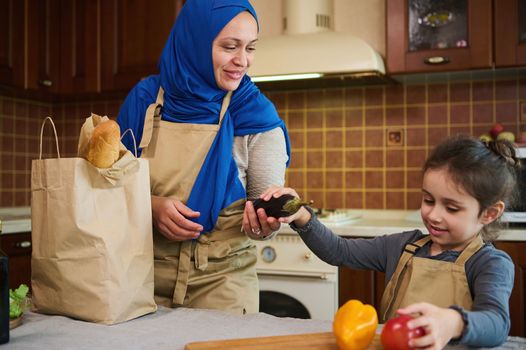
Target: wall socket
(395, 137)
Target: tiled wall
(340, 153)
(20, 125)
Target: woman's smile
(234, 75)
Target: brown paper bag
(92, 238)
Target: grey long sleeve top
(490, 274)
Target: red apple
(496, 130)
(396, 335)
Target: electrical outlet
(395, 137)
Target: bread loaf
(103, 146)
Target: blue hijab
(191, 95)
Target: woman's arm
(263, 165)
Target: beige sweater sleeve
(261, 160)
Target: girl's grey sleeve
(379, 253)
(488, 322)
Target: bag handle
(133, 137)
(42, 135)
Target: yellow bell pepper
(355, 325)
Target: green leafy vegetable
(17, 301)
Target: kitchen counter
(359, 223)
(376, 222)
(15, 220)
(164, 329)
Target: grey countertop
(165, 329)
(15, 220)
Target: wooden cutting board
(309, 341)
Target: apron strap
(224, 106)
(199, 250)
(409, 251)
(152, 111)
(471, 249)
(183, 271)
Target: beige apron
(216, 271)
(416, 279)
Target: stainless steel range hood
(310, 54)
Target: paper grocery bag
(92, 253)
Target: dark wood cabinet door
(510, 33)
(356, 284)
(79, 50)
(42, 61)
(17, 246)
(133, 35)
(366, 286)
(475, 51)
(517, 252)
(12, 33)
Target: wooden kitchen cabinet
(517, 252)
(79, 51)
(72, 47)
(134, 34)
(430, 36)
(510, 33)
(17, 246)
(366, 286)
(48, 45)
(11, 43)
(42, 57)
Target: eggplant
(282, 206)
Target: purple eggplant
(286, 205)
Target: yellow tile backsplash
(341, 156)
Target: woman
(212, 140)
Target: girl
(457, 282)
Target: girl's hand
(170, 218)
(252, 221)
(441, 325)
(300, 218)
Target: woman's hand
(170, 218)
(259, 225)
(441, 325)
(300, 218)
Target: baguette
(103, 146)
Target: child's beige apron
(216, 271)
(415, 279)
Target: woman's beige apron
(415, 280)
(216, 271)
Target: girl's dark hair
(485, 170)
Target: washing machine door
(281, 305)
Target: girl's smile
(449, 213)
